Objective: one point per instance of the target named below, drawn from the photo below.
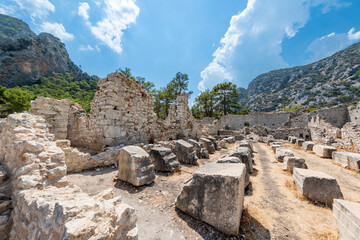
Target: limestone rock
(292, 162)
(164, 159)
(307, 145)
(323, 151)
(317, 186)
(209, 146)
(347, 217)
(293, 140)
(135, 166)
(215, 195)
(347, 159)
(275, 146)
(222, 143)
(185, 152)
(244, 154)
(281, 153)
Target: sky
(211, 41)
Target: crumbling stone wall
(180, 122)
(350, 133)
(321, 129)
(5, 203)
(337, 116)
(354, 113)
(56, 114)
(45, 205)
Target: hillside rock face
(24, 56)
(327, 82)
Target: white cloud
(119, 15)
(330, 44)
(86, 48)
(36, 8)
(353, 36)
(8, 10)
(83, 10)
(252, 43)
(57, 30)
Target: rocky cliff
(330, 81)
(24, 56)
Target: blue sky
(212, 41)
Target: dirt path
(154, 204)
(275, 210)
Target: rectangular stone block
(209, 146)
(317, 186)
(293, 140)
(244, 154)
(185, 152)
(300, 142)
(215, 195)
(307, 145)
(164, 159)
(347, 217)
(135, 166)
(323, 151)
(281, 153)
(292, 162)
(347, 159)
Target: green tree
(16, 99)
(179, 84)
(204, 105)
(226, 97)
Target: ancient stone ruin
(208, 166)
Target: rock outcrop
(26, 56)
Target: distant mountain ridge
(25, 56)
(330, 81)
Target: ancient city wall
(269, 120)
(337, 116)
(354, 113)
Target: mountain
(25, 56)
(330, 81)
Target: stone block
(201, 152)
(213, 140)
(293, 140)
(135, 166)
(323, 151)
(347, 159)
(244, 154)
(248, 144)
(347, 217)
(230, 140)
(274, 147)
(307, 145)
(235, 160)
(164, 159)
(185, 152)
(223, 143)
(292, 162)
(281, 153)
(209, 146)
(317, 186)
(215, 195)
(300, 142)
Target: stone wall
(45, 205)
(337, 116)
(5, 203)
(350, 133)
(56, 114)
(180, 122)
(269, 120)
(321, 130)
(354, 113)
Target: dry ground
(273, 208)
